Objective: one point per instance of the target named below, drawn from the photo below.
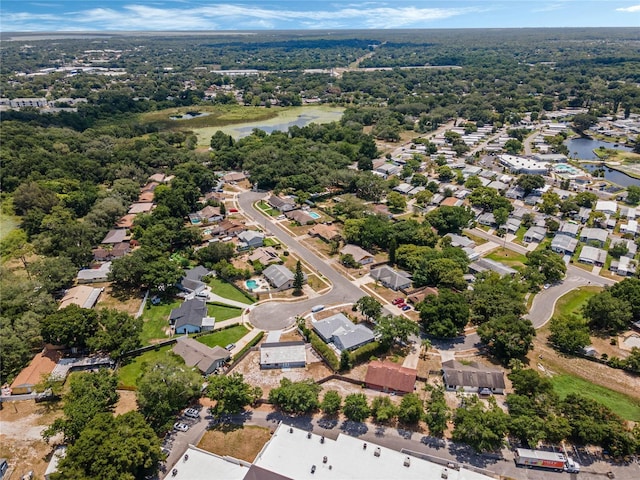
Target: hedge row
(324, 350)
(249, 345)
(364, 353)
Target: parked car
(397, 301)
(230, 347)
(181, 427)
(192, 413)
(405, 308)
(400, 305)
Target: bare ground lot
(240, 442)
(21, 424)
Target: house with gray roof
(570, 229)
(519, 213)
(281, 204)
(487, 219)
(250, 239)
(583, 214)
(632, 247)
(196, 354)
(390, 278)
(486, 264)
(598, 236)
(116, 236)
(280, 277)
(592, 256)
(403, 188)
(192, 280)
(624, 267)
(498, 185)
(472, 378)
(283, 355)
(512, 225)
(535, 234)
(564, 244)
(460, 241)
(360, 255)
(93, 275)
(191, 317)
(342, 332)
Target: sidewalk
(244, 340)
(217, 298)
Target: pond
(189, 115)
(583, 148)
(300, 116)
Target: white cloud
(631, 9)
(228, 17)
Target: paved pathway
(213, 297)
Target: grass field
(240, 442)
(224, 337)
(508, 257)
(222, 312)
(227, 290)
(156, 319)
(573, 301)
(218, 116)
(7, 223)
(129, 374)
(626, 407)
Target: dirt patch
(240, 442)
(131, 304)
(126, 403)
(21, 424)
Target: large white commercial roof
(202, 465)
(293, 453)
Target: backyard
(224, 337)
(227, 290)
(129, 374)
(508, 258)
(156, 321)
(223, 312)
(240, 442)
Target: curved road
(279, 315)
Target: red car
(397, 301)
(401, 305)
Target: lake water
(300, 116)
(583, 149)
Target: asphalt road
(544, 302)
(278, 315)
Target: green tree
(608, 313)
(633, 194)
(513, 146)
(54, 273)
(164, 389)
(448, 219)
(628, 290)
(121, 447)
(383, 410)
(231, 393)
(331, 402)
(395, 329)
(618, 249)
(483, 428)
(356, 407)
(529, 183)
(493, 296)
(298, 279)
(444, 315)
(214, 252)
(295, 397)
(548, 263)
(89, 394)
(411, 409)
(473, 182)
(501, 215)
(507, 337)
(369, 307)
(569, 334)
(550, 203)
(72, 327)
(345, 361)
(438, 413)
(396, 202)
(583, 121)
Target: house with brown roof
(42, 364)
(196, 354)
(472, 378)
(300, 216)
(234, 177)
(281, 204)
(360, 255)
(325, 232)
(451, 202)
(265, 256)
(126, 221)
(115, 236)
(210, 214)
(82, 296)
(143, 207)
(390, 377)
(149, 187)
(146, 197)
(228, 228)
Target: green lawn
(227, 290)
(508, 257)
(270, 242)
(266, 208)
(625, 406)
(224, 337)
(573, 301)
(156, 319)
(129, 374)
(222, 312)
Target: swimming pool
(314, 215)
(565, 168)
(251, 284)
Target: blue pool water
(251, 284)
(314, 215)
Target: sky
(192, 15)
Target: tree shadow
(466, 454)
(433, 442)
(355, 429)
(328, 422)
(302, 422)
(380, 430)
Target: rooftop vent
(308, 434)
(376, 452)
(322, 439)
(364, 446)
(324, 459)
(445, 473)
(313, 469)
(290, 430)
(407, 461)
